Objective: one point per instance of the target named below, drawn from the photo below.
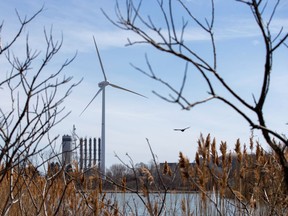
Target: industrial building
(67, 149)
(86, 154)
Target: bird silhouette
(181, 129)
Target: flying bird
(181, 129)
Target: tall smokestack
(85, 153)
(99, 152)
(94, 151)
(90, 152)
(81, 154)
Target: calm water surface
(175, 204)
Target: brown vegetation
(248, 178)
(245, 181)
(170, 37)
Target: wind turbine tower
(102, 85)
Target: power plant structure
(67, 149)
(88, 157)
(87, 153)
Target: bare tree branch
(167, 38)
(34, 105)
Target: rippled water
(175, 204)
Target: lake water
(133, 204)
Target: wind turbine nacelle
(103, 84)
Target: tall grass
(246, 180)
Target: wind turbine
(102, 85)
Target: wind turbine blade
(91, 101)
(98, 54)
(115, 86)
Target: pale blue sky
(131, 119)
